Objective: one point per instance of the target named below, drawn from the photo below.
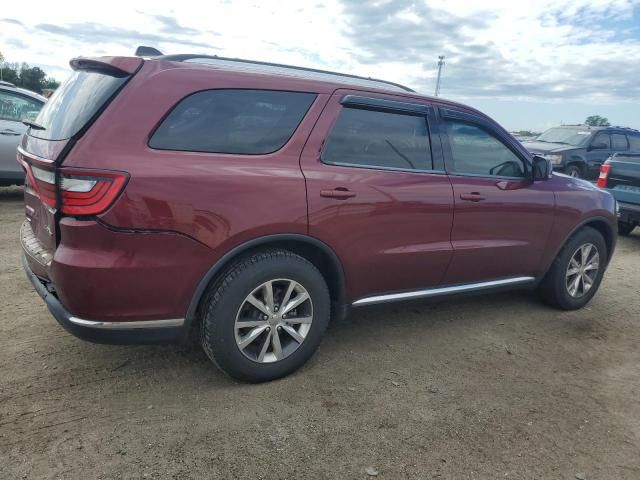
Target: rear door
(377, 192)
(502, 219)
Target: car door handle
(9, 132)
(472, 197)
(337, 193)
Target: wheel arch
(314, 250)
(601, 224)
(577, 161)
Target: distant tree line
(597, 121)
(24, 76)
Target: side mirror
(542, 168)
(598, 146)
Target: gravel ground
(489, 387)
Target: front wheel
(577, 271)
(573, 171)
(265, 316)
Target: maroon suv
(248, 203)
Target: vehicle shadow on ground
(399, 323)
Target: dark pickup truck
(620, 175)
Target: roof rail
(6, 84)
(191, 57)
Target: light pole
(440, 65)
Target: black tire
(573, 171)
(226, 296)
(553, 288)
(625, 228)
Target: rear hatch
(52, 191)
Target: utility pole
(440, 65)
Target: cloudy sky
(529, 64)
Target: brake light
(604, 175)
(89, 192)
(82, 192)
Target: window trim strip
(380, 104)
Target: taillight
(89, 192)
(44, 183)
(604, 175)
(82, 192)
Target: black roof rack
(191, 57)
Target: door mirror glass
(542, 168)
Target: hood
(582, 183)
(544, 147)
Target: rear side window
(74, 104)
(476, 151)
(378, 139)
(634, 143)
(618, 141)
(232, 121)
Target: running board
(436, 292)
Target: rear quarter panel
(220, 200)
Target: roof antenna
(143, 51)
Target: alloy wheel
(273, 320)
(582, 270)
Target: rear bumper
(117, 333)
(629, 212)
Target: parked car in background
(620, 175)
(579, 150)
(16, 105)
(244, 204)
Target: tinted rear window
(232, 121)
(377, 139)
(74, 103)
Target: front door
(502, 219)
(377, 193)
(597, 152)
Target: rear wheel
(625, 228)
(265, 316)
(577, 271)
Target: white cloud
(539, 50)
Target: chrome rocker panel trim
(175, 322)
(435, 292)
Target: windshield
(74, 103)
(568, 136)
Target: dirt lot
(485, 387)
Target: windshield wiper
(33, 125)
